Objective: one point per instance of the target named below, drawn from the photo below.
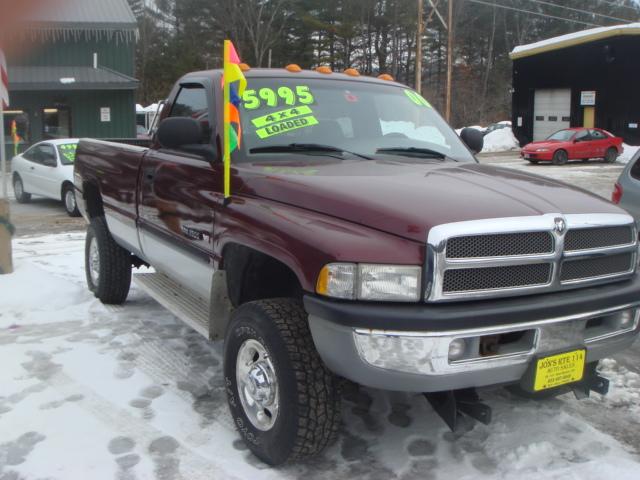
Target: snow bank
(628, 154)
(501, 140)
(578, 37)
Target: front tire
(560, 157)
(18, 190)
(284, 402)
(107, 264)
(611, 155)
(69, 201)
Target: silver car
(626, 191)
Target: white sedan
(46, 169)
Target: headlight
(542, 149)
(392, 283)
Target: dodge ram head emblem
(560, 225)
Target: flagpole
(3, 159)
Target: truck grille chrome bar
(522, 255)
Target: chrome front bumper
(420, 362)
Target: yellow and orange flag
(15, 137)
(234, 85)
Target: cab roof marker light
(324, 69)
(244, 67)
(293, 68)
(352, 72)
(385, 76)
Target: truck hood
(408, 198)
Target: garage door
(551, 111)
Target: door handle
(149, 173)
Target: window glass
(353, 116)
(56, 123)
(45, 152)
(192, 102)
(582, 135)
(635, 169)
(562, 135)
(16, 131)
(597, 134)
(67, 153)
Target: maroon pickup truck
(361, 241)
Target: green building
(73, 73)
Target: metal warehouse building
(73, 75)
(588, 78)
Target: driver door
(179, 193)
(581, 146)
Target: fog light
(457, 348)
(626, 319)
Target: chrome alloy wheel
(94, 261)
(70, 200)
(257, 385)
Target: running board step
(182, 302)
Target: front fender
(305, 240)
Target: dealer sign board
(588, 97)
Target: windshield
(352, 116)
(562, 135)
(67, 152)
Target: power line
(585, 12)
(539, 14)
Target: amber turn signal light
(324, 69)
(293, 68)
(352, 72)
(385, 76)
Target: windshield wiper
(413, 152)
(304, 147)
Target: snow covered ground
(628, 153)
(95, 392)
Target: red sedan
(574, 144)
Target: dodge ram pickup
(362, 242)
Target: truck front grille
(490, 278)
(587, 238)
(500, 245)
(514, 256)
(581, 269)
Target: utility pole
(419, 50)
(449, 62)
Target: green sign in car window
(67, 153)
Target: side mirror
(473, 139)
(184, 133)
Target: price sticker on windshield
(68, 151)
(273, 97)
(416, 98)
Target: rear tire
(107, 264)
(69, 201)
(611, 155)
(18, 190)
(560, 157)
(284, 402)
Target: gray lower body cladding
(405, 354)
